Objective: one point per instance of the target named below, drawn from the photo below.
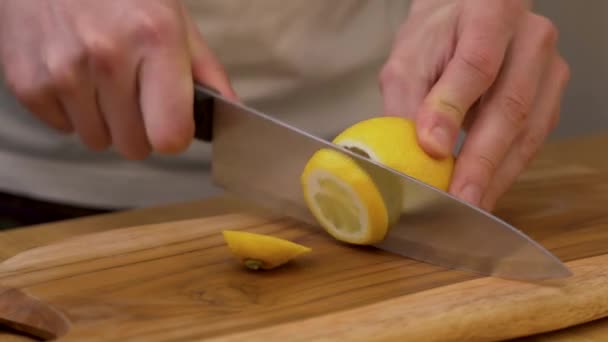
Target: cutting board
(178, 281)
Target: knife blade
(260, 158)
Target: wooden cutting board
(178, 281)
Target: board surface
(176, 280)
(173, 274)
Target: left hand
(490, 67)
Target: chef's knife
(260, 158)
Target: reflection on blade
(260, 158)
(447, 232)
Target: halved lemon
(393, 142)
(259, 251)
(343, 198)
(356, 203)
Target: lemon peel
(262, 252)
(392, 141)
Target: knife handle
(203, 112)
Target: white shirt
(312, 63)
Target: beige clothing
(312, 63)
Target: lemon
(344, 198)
(357, 203)
(393, 142)
(259, 251)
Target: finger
(206, 68)
(44, 105)
(26, 78)
(77, 96)
(402, 92)
(31, 86)
(115, 75)
(543, 120)
(477, 59)
(166, 92)
(503, 112)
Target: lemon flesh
(259, 251)
(344, 198)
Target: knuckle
(481, 63)
(530, 144)
(451, 109)
(516, 108)
(391, 73)
(487, 165)
(102, 53)
(481, 169)
(63, 73)
(154, 26)
(547, 31)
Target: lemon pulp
(343, 198)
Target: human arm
(114, 72)
(491, 68)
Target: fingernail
(471, 193)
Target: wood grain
(165, 280)
(183, 284)
(161, 278)
(20, 239)
(562, 207)
(486, 309)
(594, 331)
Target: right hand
(116, 72)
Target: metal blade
(260, 158)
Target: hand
(489, 67)
(116, 72)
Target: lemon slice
(344, 198)
(259, 251)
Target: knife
(260, 158)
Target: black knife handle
(203, 113)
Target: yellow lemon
(343, 198)
(356, 203)
(392, 141)
(259, 251)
